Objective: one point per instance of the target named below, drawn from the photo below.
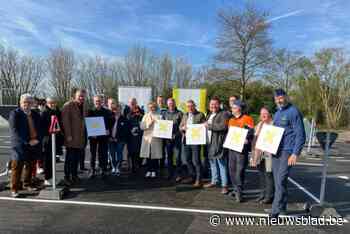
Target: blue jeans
(219, 166)
(116, 153)
(280, 171)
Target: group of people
(132, 128)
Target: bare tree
(332, 67)
(243, 44)
(19, 74)
(61, 66)
(182, 73)
(283, 69)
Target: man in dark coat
(26, 135)
(50, 110)
(99, 144)
(173, 146)
(217, 128)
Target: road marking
(5, 147)
(4, 136)
(342, 160)
(304, 190)
(298, 186)
(310, 164)
(160, 208)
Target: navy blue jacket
(19, 131)
(290, 118)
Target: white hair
(26, 96)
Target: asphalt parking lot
(132, 204)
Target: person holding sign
(151, 147)
(238, 161)
(99, 143)
(191, 156)
(217, 128)
(263, 161)
(291, 145)
(173, 145)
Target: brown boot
(209, 185)
(197, 184)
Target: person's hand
(33, 142)
(69, 138)
(292, 160)
(206, 124)
(253, 162)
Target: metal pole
(324, 171)
(311, 134)
(53, 139)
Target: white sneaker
(117, 172)
(14, 194)
(153, 174)
(148, 174)
(113, 171)
(47, 183)
(40, 171)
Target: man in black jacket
(173, 146)
(50, 110)
(217, 128)
(99, 142)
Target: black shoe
(273, 216)
(92, 174)
(76, 180)
(67, 181)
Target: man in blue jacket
(26, 136)
(293, 140)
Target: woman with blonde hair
(151, 147)
(263, 161)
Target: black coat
(46, 123)
(20, 137)
(123, 129)
(218, 135)
(135, 137)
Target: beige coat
(73, 125)
(258, 155)
(151, 147)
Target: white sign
(269, 138)
(235, 139)
(95, 126)
(163, 129)
(143, 95)
(199, 97)
(196, 134)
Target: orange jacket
(241, 122)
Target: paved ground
(131, 204)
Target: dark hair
(215, 98)
(235, 96)
(266, 108)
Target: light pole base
(50, 194)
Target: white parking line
(159, 208)
(5, 147)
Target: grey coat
(219, 131)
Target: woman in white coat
(151, 147)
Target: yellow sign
(235, 138)
(196, 134)
(163, 129)
(269, 138)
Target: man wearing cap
(238, 161)
(293, 140)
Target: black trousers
(238, 163)
(266, 181)
(173, 149)
(48, 160)
(71, 163)
(99, 146)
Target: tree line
(245, 63)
